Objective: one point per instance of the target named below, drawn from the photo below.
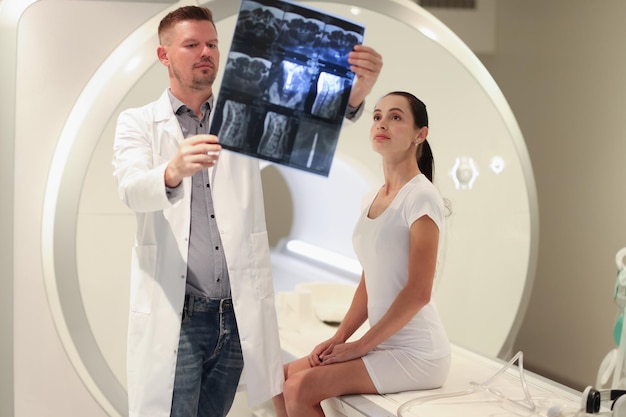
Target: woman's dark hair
(423, 153)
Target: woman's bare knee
(299, 392)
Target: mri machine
(82, 62)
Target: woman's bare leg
(289, 369)
(305, 387)
(279, 406)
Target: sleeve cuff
(353, 113)
(174, 193)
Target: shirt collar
(178, 105)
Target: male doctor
(201, 299)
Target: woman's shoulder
(420, 186)
(422, 197)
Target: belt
(200, 303)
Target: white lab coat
(145, 140)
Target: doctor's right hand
(194, 153)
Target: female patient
(396, 240)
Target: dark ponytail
(423, 153)
(425, 160)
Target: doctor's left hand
(366, 64)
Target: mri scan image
(300, 34)
(286, 84)
(329, 95)
(247, 74)
(274, 141)
(337, 43)
(258, 22)
(291, 85)
(234, 125)
(314, 146)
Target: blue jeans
(209, 361)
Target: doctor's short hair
(182, 14)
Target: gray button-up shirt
(207, 274)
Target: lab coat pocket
(143, 267)
(261, 271)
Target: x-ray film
(286, 84)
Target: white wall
(7, 131)
(561, 65)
